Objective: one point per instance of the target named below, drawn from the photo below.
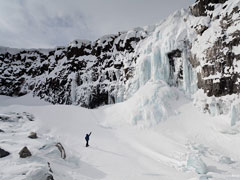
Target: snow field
(185, 143)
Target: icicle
(73, 88)
(186, 75)
(235, 114)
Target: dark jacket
(87, 136)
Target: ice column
(73, 88)
(235, 114)
(189, 75)
(156, 63)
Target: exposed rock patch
(33, 135)
(5, 118)
(15, 117)
(201, 7)
(49, 177)
(200, 29)
(176, 67)
(25, 153)
(3, 153)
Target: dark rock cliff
(202, 6)
(219, 76)
(85, 73)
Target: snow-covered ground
(184, 145)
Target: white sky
(50, 23)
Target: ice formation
(197, 163)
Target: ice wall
(153, 62)
(196, 39)
(150, 90)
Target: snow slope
(188, 145)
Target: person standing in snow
(87, 138)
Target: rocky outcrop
(201, 7)
(25, 153)
(220, 74)
(3, 153)
(200, 29)
(33, 135)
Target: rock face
(25, 153)
(219, 75)
(202, 6)
(3, 153)
(85, 73)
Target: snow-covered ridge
(4, 50)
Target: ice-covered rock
(40, 173)
(54, 149)
(16, 117)
(28, 116)
(197, 164)
(8, 118)
(235, 112)
(226, 160)
(205, 177)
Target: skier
(87, 138)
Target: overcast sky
(50, 23)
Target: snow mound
(150, 105)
